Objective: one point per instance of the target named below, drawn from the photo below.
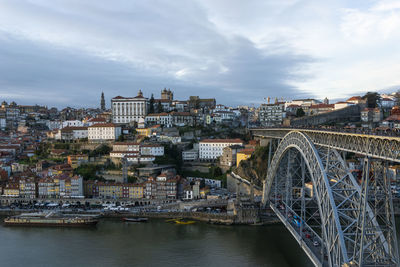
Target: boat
(173, 220)
(184, 222)
(51, 219)
(135, 219)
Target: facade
(98, 120)
(272, 114)
(135, 153)
(321, 108)
(103, 132)
(181, 119)
(163, 118)
(387, 103)
(355, 100)
(61, 186)
(152, 150)
(72, 123)
(211, 149)
(76, 160)
(70, 133)
(228, 157)
(129, 109)
(190, 155)
(371, 115)
(191, 191)
(195, 102)
(28, 188)
(144, 131)
(167, 94)
(94, 189)
(243, 154)
(340, 105)
(392, 122)
(11, 190)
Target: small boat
(184, 222)
(51, 219)
(173, 220)
(135, 219)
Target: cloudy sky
(66, 52)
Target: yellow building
(11, 190)
(136, 191)
(76, 160)
(144, 131)
(243, 154)
(110, 190)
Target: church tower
(102, 102)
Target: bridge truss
(337, 220)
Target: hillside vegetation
(255, 168)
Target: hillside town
(148, 149)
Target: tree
(397, 95)
(121, 138)
(151, 102)
(372, 98)
(160, 108)
(300, 112)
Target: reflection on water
(157, 243)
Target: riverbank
(212, 218)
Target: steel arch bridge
(337, 219)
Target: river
(156, 243)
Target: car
(316, 243)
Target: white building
(152, 150)
(128, 109)
(72, 123)
(103, 131)
(190, 155)
(140, 159)
(54, 125)
(93, 121)
(211, 149)
(73, 133)
(272, 114)
(164, 119)
(340, 105)
(2, 123)
(387, 103)
(167, 138)
(304, 102)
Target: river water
(156, 243)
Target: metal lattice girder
(374, 146)
(376, 243)
(339, 199)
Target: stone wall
(244, 185)
(351, 113)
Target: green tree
(151, 103)
(160, 108)
(300, 112)
(88, 171)
(121, 138)
(372, 99)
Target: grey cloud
(124, 46)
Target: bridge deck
(374, 146)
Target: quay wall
(351, 113)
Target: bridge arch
(332, 233)
(338, 200)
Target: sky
(66, 52)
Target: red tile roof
(97, 125)
(221, 141)
(322, 106)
